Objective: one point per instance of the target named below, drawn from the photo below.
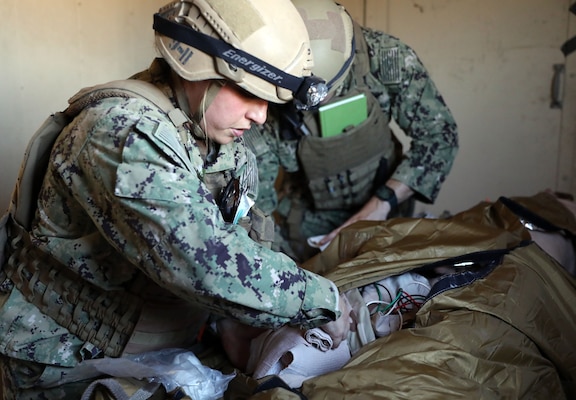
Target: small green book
(337, 116)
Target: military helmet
(331, 32)
(260, 45)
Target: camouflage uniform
(406, 93)
(124, 197)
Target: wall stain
(419, 7)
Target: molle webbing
(342, 170)
(104, 318)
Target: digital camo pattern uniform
(405, 93)
(125, 197)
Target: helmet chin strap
(180, 93)
(213, 148)
(209, 96)
(199, 131)
(207, 99)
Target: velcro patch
(390, 66)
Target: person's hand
(374, 210)
(339, 329)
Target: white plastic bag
(173, 368)
(181, 368)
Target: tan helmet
(260, 45)
(331, 34)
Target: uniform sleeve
(144, 197)
(421, 112)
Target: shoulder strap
(126, 88)
(361, 66)
(35, 160)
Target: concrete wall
(50, 49)
(492, 59)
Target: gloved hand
(339, 329)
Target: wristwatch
(385, 193)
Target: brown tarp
(510, 334)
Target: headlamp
(309, 95)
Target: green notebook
(337, 116)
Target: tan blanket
(502, 327)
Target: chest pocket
(342, 170)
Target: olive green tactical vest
(343, 171)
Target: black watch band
(385, 193)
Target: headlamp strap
(346, 64)
(219, 48)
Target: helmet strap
(183, 103)
(207, 99)
(212, 148)
(180, 93)
(346, 65)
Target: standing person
(362, 173)
(133, 243)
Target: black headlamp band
(346, 64)
(218, 48)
